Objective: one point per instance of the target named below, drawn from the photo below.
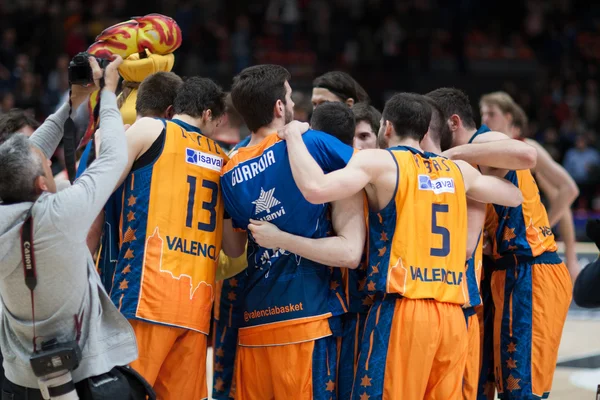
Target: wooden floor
(581, 338)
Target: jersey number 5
(440, 230)
(206, 205)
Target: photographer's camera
(80, 71)
(53, 366)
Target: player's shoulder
(148, 124)
(319, 142)
(313, 135)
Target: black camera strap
(28, 256)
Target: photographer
(59, 322)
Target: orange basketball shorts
(531, 299)
(172, 360)
(412, 350)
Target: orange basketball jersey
(171, 231)
(418, 241)
(522, 230)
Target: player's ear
(454, 122)
(389, 130)
(207, 115)
(170, 112)
(350, 102)
(279, 109)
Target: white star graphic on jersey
(265, 201)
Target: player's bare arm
(234, 243)
(565, 227)
(318, 187)
(565, 188)
(496, 151)
(343, 250)
(475, 223)
(140, 137)
(489, 189)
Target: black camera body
(80, 71)
(55, 357)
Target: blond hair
(505, 103)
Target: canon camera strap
(28, 256)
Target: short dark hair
(15, 120)
(255, 91)
(409, 113)
(438, 126)
(156, 93)
(336, 119)
(367, 113)
(454, 101)
(197, 95)
(342, 85)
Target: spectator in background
(240, 43)
(58, 79)
(17, 121)
(591, 107)
(551, 141)
(28, 94)
(7, 57)
(580, 161)
(7, 103)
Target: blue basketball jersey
(258, 184)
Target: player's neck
(261, 133)
(189, 120)
(395, 141)
(463, 137)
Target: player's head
(16, 121)
(439, 137)
(458, 113)
(497, 111)
(228, 133)
(337, 86)
(156, 95)
(519, 124)
(336, 119)
(405, 116)
(24, 171)
(368, 121)
(203, 100)
(263, 96)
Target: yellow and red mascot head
(146, 45)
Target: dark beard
(289, 116)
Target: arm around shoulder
(489, 189)
(496, 150)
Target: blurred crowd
(380, 42)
